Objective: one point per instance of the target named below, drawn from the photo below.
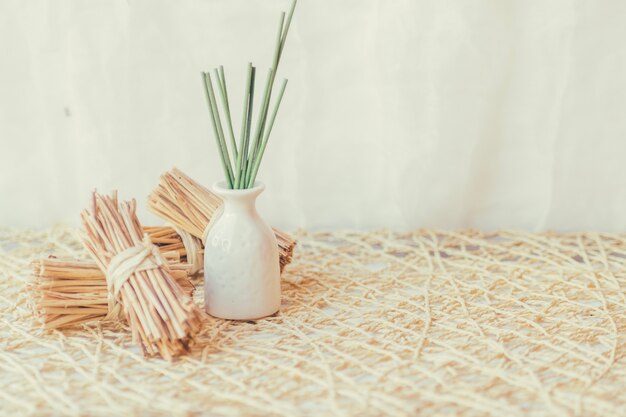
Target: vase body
(241, 267)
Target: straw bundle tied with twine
(190, 207)
(69, 292)
(162, 318)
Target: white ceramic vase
(241, 268)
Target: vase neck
(239, 200)
(239, 203)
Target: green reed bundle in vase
(241, 162)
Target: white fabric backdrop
(398, 114)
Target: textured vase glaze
(241, 268)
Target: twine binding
(123, 265)
(193, 248)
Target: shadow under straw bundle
(185, 203)
(162, 318)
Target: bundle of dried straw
(69, 292)
(162, 318)
(190, 206)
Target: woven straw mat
(380, 323)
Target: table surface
(427, 322)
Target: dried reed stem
(190, 206)
(162, 318)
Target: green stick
(244, 118)
(279, 40)
(207, 89)
(224, 93)
(260, 121)
(270, 85)
(244, 168)
(218, 129)
(283, 30)
(257, 161)
(284, 37)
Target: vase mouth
(221, 188)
